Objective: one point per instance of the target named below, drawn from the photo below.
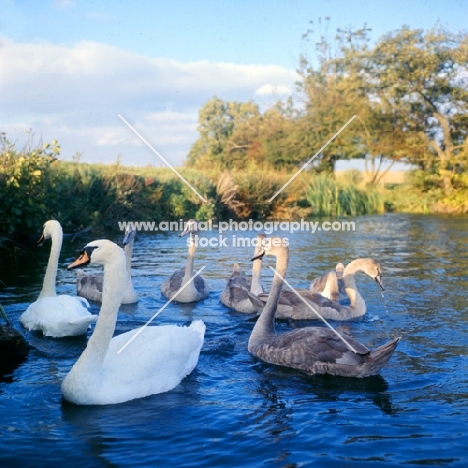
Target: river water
(236, 411)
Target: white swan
(90, 286)
(313, 350)
(291, 306)
(197, 289)
(155, 361)
(56, 316)
(234, 294)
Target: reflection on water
(234, 410)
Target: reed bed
(329, 197)
(35, 186)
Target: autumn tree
(331, 98)
(409, 93)
(227, 132)
(423, 78)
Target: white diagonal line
(164, 160)
(316, 312)
(160, 310)
(312, 158)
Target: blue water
(234, 410)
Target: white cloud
(274, 90)
(74, 94)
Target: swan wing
(155, 361)
(306, 347)
(58, 316)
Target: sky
(68, 68)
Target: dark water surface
(236, 411)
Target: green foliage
(25, 177)
(226, 133)
(35, 186)
(327, 197)
(423, 193)
(409, 93)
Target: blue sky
(69, 66)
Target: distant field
(392, 177)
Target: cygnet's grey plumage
(290, 306)
(194, 290)
(330, 285)
(313, 350)
(234, 294)
(90, 286)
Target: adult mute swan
(234, 294)
(90, 286)
(313, 350)
(197, 289)
(291, 306)
(56, 316)
(114, 370)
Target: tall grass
(328, 197)
(36, 186)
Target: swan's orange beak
(82, 260)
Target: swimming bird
(56, 316)
(330, 285)
(135, 364)
(90, 286)
(291, 306)
(13, 346)
(193, 290)
(313, 350)
(234, 294)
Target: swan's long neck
(48, 286)
(190, 259)
(256, 287)
(357, 303)
(128, 249)
(353, 267)
(113, 287)
(331, 284)
(265, 325)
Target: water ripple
(234, 410)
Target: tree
(409, 92)
(332, 97)
(227, 131)
(423, 77)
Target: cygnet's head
(190, 228)
(339, 270)
(130, 234)
(270, 246)
(372, 268)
